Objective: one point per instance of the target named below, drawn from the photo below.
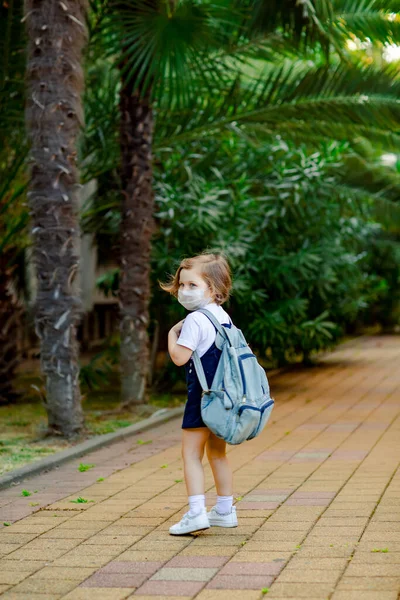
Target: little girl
(203, 281)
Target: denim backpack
(238, 405)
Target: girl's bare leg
(216, 453)
(193, 444)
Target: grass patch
(23, 425)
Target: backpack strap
(220, 328)
(198, 365)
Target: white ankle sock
(224, 504)
(196, 504)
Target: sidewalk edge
(53, 461)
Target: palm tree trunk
(136, 230)
(57, 35)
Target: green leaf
(26, 493)
(82, 468)
(79, 500)
(6, 523)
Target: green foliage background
(309, 261)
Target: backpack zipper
(227, 393)
(249, 407)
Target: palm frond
(364, 19)
(167, 48)
(355, 99)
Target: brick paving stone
(366, 595)
(16, 538)
(314, 562)
(261, 546)
(13, 577)
(376, 557)
(144, 555)
(77, 574)
(152, 597)
(98, 594)
(372, 570)
(240, 582)
(256, 568)
(225, 594)
(126, 567)
(368, 546)
(310, 576)
(196, 562)
(261, 557)
(78, 533)
(81, 561)
(114, 580)
(219, 539)
(209, 551)
(184, 574)
(10, 595)
(42, 586)
(289, 526)
(125, 541)
(170, 588)
(299, 590)
(369, 583)
(8, 548)
(15, 565)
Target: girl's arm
(179, 354)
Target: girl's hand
(179, 354)
(177, 328)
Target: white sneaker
(189, 524)
(217, 520)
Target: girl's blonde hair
(214, 269)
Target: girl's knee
(216, 453)
(192, 453)
(216, 448)
(217, 457)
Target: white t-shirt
(198, 333)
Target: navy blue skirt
(192, 415)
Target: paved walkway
(318, 497)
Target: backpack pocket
(244, 422)
(216, 412)
(265, 413)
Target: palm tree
(57, 34)
(137, 207)
(167, 38)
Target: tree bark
(57, 35)
(136, 231)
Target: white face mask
(193, 299)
